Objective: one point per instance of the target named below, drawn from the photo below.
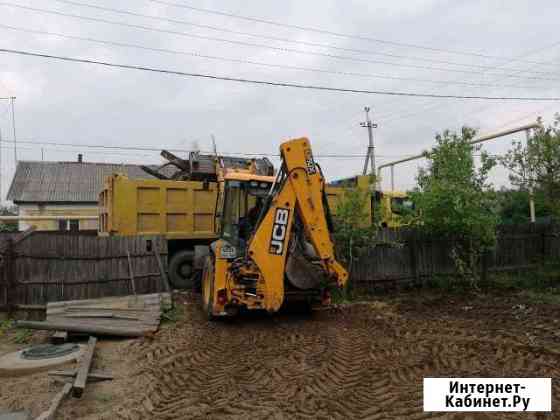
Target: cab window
(402, 205)
(232, 210)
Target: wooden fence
(41, 267)
(408, 256)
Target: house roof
(64, 182)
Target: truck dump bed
(177, 209)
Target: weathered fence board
(54, 266)
(43, 267)
(406, 255)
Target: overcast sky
(492, 48)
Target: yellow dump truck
(185, 212)
(391, 205)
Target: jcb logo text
(279, 231)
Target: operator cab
(240, 206)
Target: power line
(9, 145)
(257, 63)
(340, 34)
(272, 38)
(249, 44)
(278, 84)
(395, 117)
(37, 142)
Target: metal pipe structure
(475, 141)
(531, 192)
(12, 100)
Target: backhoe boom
(290, 250)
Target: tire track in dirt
(358, 363)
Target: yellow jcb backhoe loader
(278, 250)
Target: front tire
(208, 288)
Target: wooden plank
(50, 413)
(131, 273)
(9, 275)
(101, 315)
(101, 308)
(101, 301)
(71, 326)
(83, 369)
(59, 337)
(15, 415)
(88, 315)
(161, 270)
(99, 376)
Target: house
(63, 188)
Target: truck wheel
(208, 288)
(181, 269)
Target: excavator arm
(295, 198)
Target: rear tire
(181, 270)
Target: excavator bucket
(303, 273)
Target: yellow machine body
(254, 277)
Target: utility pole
(1, 162)
(215, 149)
(13, 99)
(370, 156)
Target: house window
(71, 225)
(62, 224)
(74, 225)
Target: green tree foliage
(8, 226)
(513, 206)
(536, 165)
(454, 198)
(353, 232)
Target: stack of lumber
(128, 316)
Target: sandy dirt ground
(357, 361)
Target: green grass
(172, 314)
(17, 335)
(22, 336)
(340, 296)
(545, 279)
(551, 297)
(103, 397)
(6, 326)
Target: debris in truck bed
(202, 167)
(128, 316)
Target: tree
(513, 206)
(353, 233)
(535, 166)
(455, 200)
(8, 226)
